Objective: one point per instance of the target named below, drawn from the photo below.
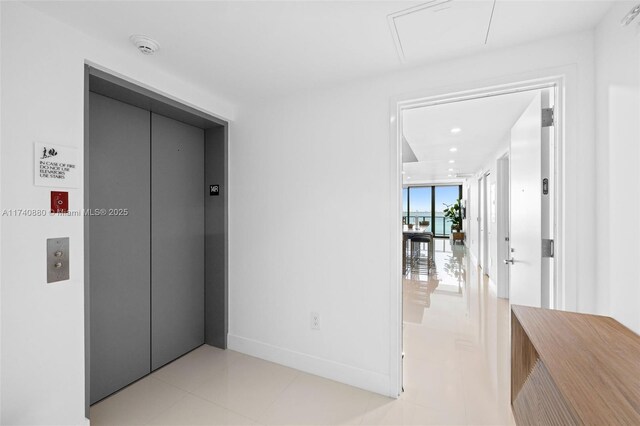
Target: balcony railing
(442, 224)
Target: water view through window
(422, 204)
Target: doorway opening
(482, 166)
(156, 227)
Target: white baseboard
(363, 379)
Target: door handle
(509, 261)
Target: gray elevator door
(119, 251)
(177, 243)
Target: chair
(416, 249)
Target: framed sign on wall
(56, 166)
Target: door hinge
(547, 117)
(547, 248)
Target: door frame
(486, 243)
(503, 223)
(479, 220)
(173, 108)
(554, 78)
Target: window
(422, 204)
(405, 205)
(444, 196)
(420, 207)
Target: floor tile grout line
(272, 403)
(233, 360)
(166, 381)
(200, 397)
(203, 398)
(366, 410)
(164, 410)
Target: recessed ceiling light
(454, 149)
(456, 130)
(403, 172)
(408, 177)
(449, 175)
(450, 170)
(451, 161)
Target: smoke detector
(145, 44)
(633, 13)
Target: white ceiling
(243, 49)
(484, 124)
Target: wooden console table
(573, 369)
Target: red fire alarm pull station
(59, 202)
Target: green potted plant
(453, 213)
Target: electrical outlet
(315, 321)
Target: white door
(486, 234)
(502, 218)
(526, 204)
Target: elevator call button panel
(57, 259)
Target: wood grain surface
(588, 367)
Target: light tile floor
(456, 339)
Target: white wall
(42, 80)
(309, 226)
(492, 166)
(491, 223)
(472, 225)
(310, 214)
(489, 166)
(618, 153)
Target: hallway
(456, 341)
(456, 370)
